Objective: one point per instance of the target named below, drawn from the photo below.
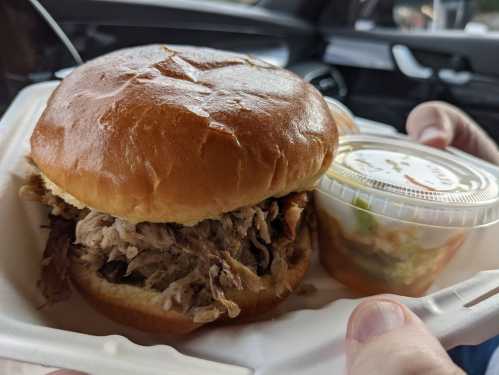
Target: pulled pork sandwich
(177, 180)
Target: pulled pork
(193, 267)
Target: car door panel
(464, 71)
(99, 26)
(482, 51)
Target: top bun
(181, 134)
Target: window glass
(247, 2)
(487, 14)
(474, 16)
(31, 50)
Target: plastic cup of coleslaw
(392, 213)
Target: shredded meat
(294, 204)
(34, 190)
(54, 283)
(261, 225)
(180, 291)
(305, 290)
(218, 294)
(279, 267)
(193, 267)
(263, 251)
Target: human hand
(385, 337)
(439, 124)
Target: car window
(247, 2)
(31, 49)
(473, 16)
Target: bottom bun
(139, 308)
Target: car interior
(375, 56)
(379, 59)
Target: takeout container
(392, 213)
(303, 336)
(343, 117)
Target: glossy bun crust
(181, 134)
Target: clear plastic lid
(409, 182)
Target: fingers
(440, 125)
(385, 337)
(431, 124)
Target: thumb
(431, 124)
(385, 337)
(439, 124)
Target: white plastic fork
(463, 314)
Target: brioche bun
(181, 134)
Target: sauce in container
(392, 213)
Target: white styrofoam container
(305, 334)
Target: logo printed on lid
(400, 169)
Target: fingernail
(376, 318)
(430, 134)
